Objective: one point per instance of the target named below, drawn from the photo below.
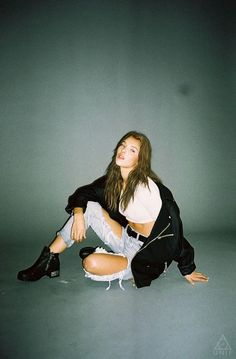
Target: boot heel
(54, 274)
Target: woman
(133, 213)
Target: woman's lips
(120, 157)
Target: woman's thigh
(104, 264)
(115, 226)
(108, 230)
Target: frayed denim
(125, 246)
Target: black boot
(86, 251)
(47, 264)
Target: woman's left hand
(196, 277)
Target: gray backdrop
(76, 75)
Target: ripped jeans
(125, 246)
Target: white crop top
(146, 204)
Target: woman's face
(127, 153)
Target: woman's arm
(91, 192)
(185, 255)
(186, 264)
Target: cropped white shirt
(146, 204)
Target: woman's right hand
(78, 229)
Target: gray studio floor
(73, 317)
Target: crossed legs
(98, 263)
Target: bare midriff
(142, 228)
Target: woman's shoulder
(146, 190)
(155, 186)
(100, 182)
(165, 192)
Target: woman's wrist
(78, 212)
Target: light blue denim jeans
(126, 246)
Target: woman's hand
(196, 277)
(78, 229)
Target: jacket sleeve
(184, 255)
(185, 258)
(91, 192)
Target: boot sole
(52, 274)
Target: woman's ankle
(58, 245)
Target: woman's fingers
(79, 236)
(78, 230)
(200, 277)
(78, 233)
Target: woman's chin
(118, 162)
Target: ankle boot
(46, 264)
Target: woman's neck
(124, 174)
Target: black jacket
(165, 242)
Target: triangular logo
(222, 347)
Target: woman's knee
(90, 263)
(104, 264)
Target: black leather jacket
(165, 242)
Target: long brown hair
(139, 174)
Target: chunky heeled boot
(47, 264)
(86, 251)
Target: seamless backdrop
(76, 75)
